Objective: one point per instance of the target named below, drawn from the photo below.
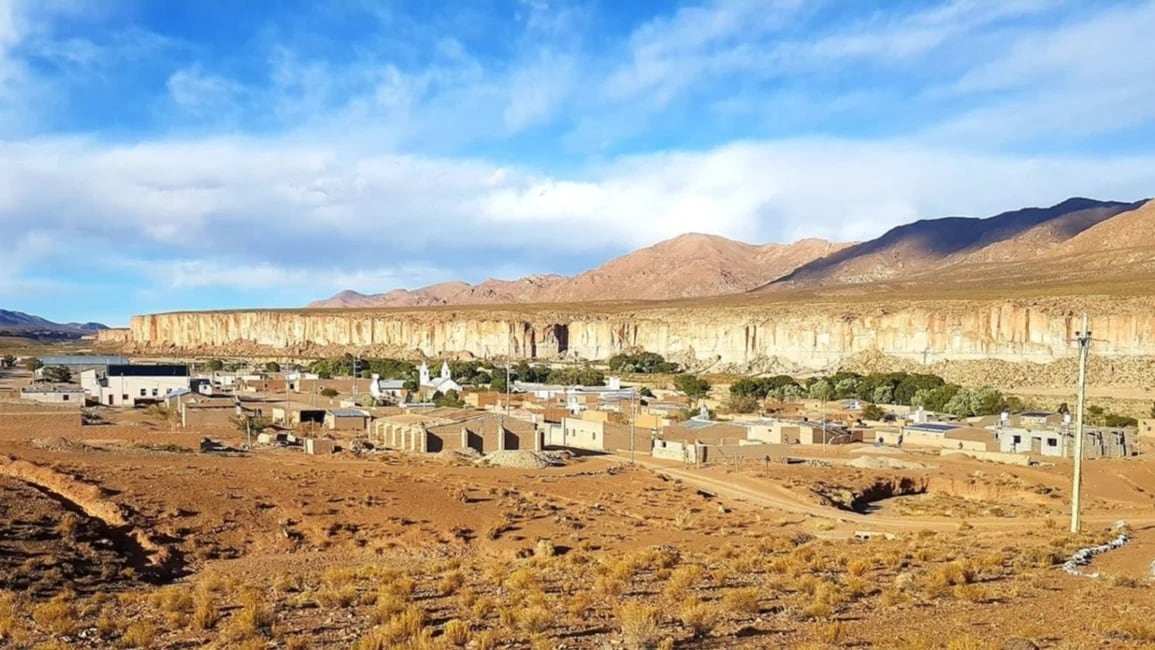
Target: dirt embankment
(156, 561)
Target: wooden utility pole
(1084, 339)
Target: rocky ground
(127, 537)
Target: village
(429, 410)
(440, 503)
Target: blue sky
(168, 154)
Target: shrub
(329, 391)
(742, 601)
(639, 623)
(534, 619)
(7, 614)
(451, 583)
(57, 616)
(140, 634)
(699, 617)
(206, 615)
(457, 632)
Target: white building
(54, 394)
(443, 383)
(386, 389)
(126, 385)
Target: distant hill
(688, 266)
(914, 251)
(1080, 239)
(21, 324)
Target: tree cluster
(692, 385)
(643, 362)
(909, 389)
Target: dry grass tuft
(640, 625)
(699, 617)
(456, 633)
(140, 634)
(742, 601)
(57, 615)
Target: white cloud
(244, 211)
(196, 92)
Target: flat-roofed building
(129, 385)
(64, 394)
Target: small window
(65, 397)
(1018, 439)
(124, 398)
(1052, 442)
(143, 392)
(154, 392)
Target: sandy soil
(277, 549)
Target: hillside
(16, 322)
(689, 266)
(911, 251)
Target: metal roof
(698, 424)
(1036, 414)
(82, 360)
(348, 413)
(933, 427)
(168, 370)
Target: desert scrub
(456, 633)
(742, 601)
(57, 615)
(206, 615)
(681, 581)
(8, 607)
(255, 618)
(140, 634)
(639, 623)
(699, 617)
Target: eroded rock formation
(805, 335)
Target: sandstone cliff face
(806, 336)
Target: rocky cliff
(764, 335)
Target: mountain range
(1078, 238)
(19, 323)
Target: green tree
(253, 423)
(57, 374)
(821, 390)
(577, 375)
(1064, 409)
(410, 384)
(329, 391)
(367, 400)
(216, 365)
(450, 399)
(646, 392)
(743, 404)
(642, 362)
(883, 394)
(497, 381)
(32, 363)
(272, 366)
(1113, 420)
(873, 412)
(692, 385)
(7, 361)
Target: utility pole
(1084, 339)
(633, 420)
(355, 378)
(508, 363)
(824, 426)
